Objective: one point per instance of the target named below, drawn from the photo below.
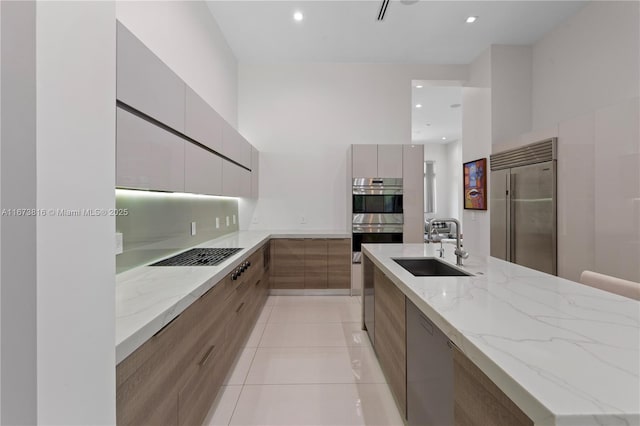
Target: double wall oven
(377, 212)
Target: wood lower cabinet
(339, 263)
(311, 263)
(287, 270)
(390, 336)
(315, 263)
(174, 377)
(478, 401)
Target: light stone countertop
(565, 353)
(148, 298)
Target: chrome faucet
(460, 253)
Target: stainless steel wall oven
(377, 215)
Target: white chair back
(611, 284)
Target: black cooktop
(199, 257)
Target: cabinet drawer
(208, 370)
(147, 380)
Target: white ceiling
(436, 111)
(423, 31)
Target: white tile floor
(306, 363)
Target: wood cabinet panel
(390, 161)
(202, 122)
(287, 263)
(478, 401)
(149, 379)
(145, 83)
(339, 263)
(315, 263)
(147, 156)
(390, 336)
(203, 171)
(175, 376)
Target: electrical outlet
(234, 219)
(193, 228)
(119, 246)
(217, 222)
(227, 220)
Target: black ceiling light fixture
(383, 9)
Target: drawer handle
(426, 325)
(257, 282)
(240, 307)
(206, 356)
(164, 327)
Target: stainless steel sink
(430, 267)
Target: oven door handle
(376, 191)
(376, 229)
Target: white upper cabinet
(235, 146)
(145, 83)
(202, 122)
(147, 156)
(389, 161)
(255, 172)
(236, 181)
(202, 171)
(365, 161)
(383, 161)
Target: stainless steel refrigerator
(522, 205)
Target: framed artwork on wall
(475, 184)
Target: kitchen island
(564, 353)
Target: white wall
(454, 178)
(476, 143)
(75, 169)
(589, 61)
(186, 37)
(510, 91)
(304, 117)
(18, 164)
(57, 145)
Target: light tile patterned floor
(306, 363)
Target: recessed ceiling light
(454, 106)
(471, 19)
(418, 105)
(444, 138)
(298, 16)
(419, 86)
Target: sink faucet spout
(460, 253)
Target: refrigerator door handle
(512, 218)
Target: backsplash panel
(159, 224)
